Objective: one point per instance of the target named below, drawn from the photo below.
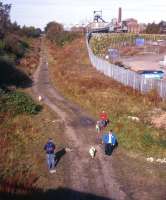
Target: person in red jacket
(104, 118)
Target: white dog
(92, 152)
(40, 98)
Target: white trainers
(52, 171)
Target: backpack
(50, 147)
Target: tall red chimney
(120, 15)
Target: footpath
(83, 174)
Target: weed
(147, 139)
(61, 38)
(154, 97)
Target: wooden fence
(126, 76)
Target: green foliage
(10, 75)
(4, 18)
(14, 45)
(100, 43)
(62, 38)
(56, 33)
(147, 139)
(17, 103)
(2, 45)
(31, 31)
(152, 28)
(12, 37)
(162, 143)
(53, 27)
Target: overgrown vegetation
(78, 81)
(14, 40)
(100, 43)
(18, 132)
(10, 75)
(14, 110)
(22, 137)
(56, 33)
(153, 28)
(17, 103)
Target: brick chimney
(120, 15)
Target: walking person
(49, 147)
(110, 142)
(104, 118)
(98, 126)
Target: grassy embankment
(74, 76)
(23, 133)
(24, 127)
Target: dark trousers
(108, 149)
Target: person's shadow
(58, 155)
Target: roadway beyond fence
(126, 76)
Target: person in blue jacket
(49, 147)
(110, 142)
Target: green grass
(17, 103)
(138, 136)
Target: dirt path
(84, 174)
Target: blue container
(139, 42)
(158, 74)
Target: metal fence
(126, 76)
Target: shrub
(63, 37)
(10, 75)
(31, 31)
(2, 45)
(56, 33)
(13, 44)
(53, 27)
(18, 102)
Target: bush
(56, 33)
(10, 75)
(17, 103)
(2, 45)
(13, 44)
(64, 37)
(31, 31)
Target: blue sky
(70, 12)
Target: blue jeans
(51, 160)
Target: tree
(53, 29)
(152, 28)
(4, 18)
(31, 31)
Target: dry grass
(22, 137)
(74, 76)
(31, 59)
(22, 158)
